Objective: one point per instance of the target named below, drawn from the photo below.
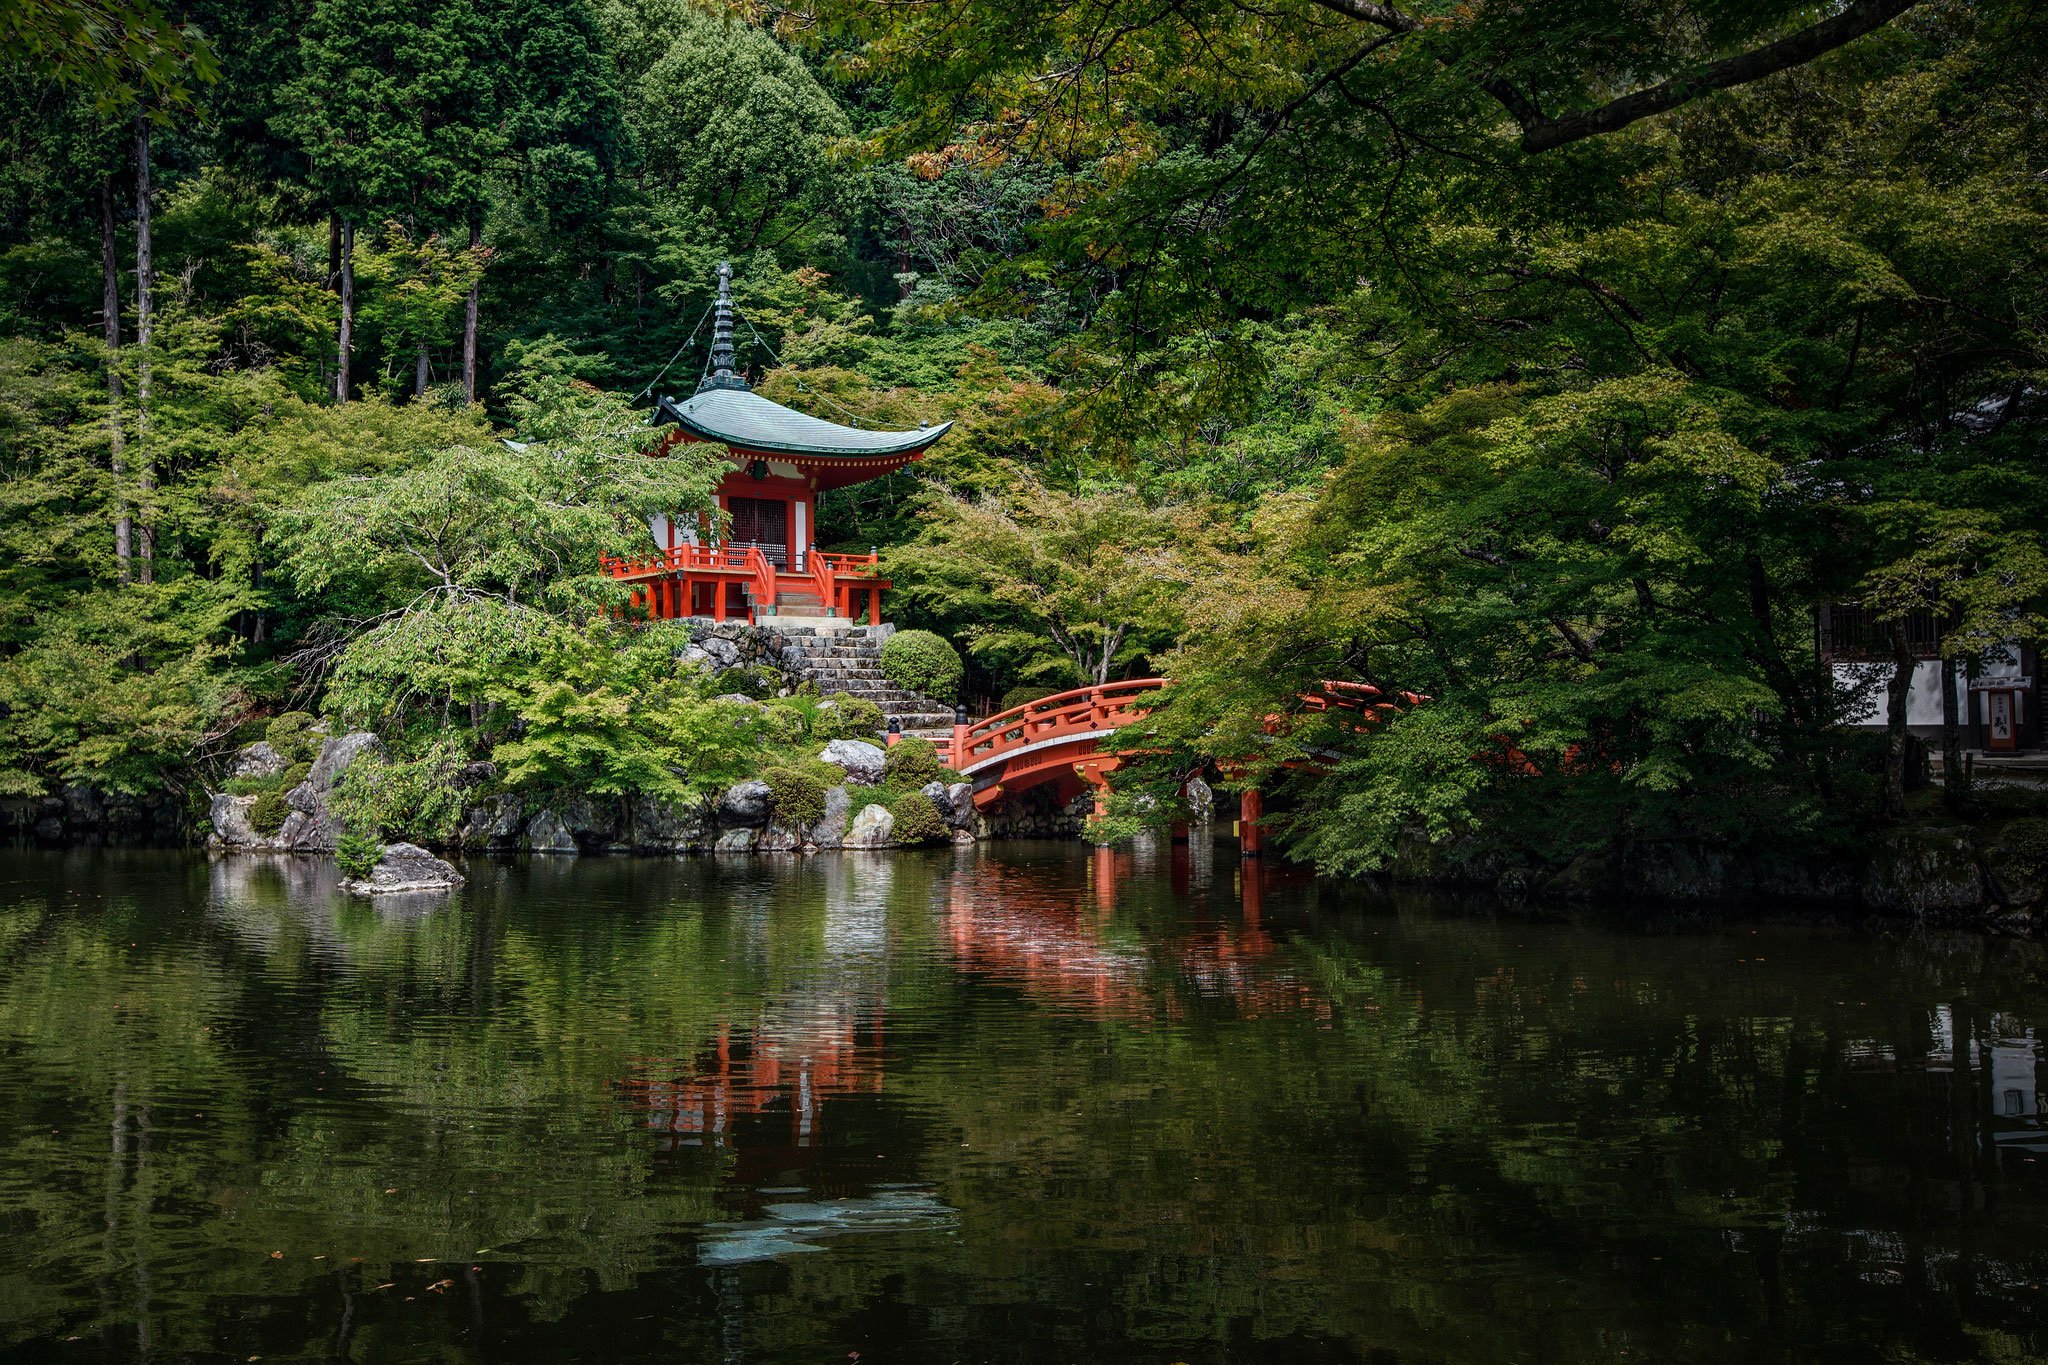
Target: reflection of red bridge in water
(760, 1086)
(1067, 740)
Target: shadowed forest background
(1556, 363)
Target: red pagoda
(767, 564)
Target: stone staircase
(841, 657)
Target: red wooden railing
(851, 573)
(667, 579)
(820, 569)
(1077, 714)
(1107, 707)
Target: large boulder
(82, 808)
(862, 761)
(830, 830)
(309, 831)
(258, 760)
(336, 757)
(230, 817)
(547, 833)
(721, 652)
(874, 827)
(493, 822)
(1676, 870)
(959, 806)
(745, 803)
(1923, 872)
(735, 841)
(661, 826)
(405, 867)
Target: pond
(1016, 1103)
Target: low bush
(287, 733)
(848, 717)
(796, 797)
(782, 724)
(922, 662)
(917, 819)
(912, 761)
(358, 852)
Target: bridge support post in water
(1180, 827)
(1250, 806)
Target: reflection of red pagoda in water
(760, 1089)
(777, 1072)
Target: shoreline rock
(403, 869)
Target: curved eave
(864, 446)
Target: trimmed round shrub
(911, 762)
(831, 774)
(922, 662)
(917, 819)
(796, 798)
(1017, 696)
(269, 813)
(287, 734)
(848, 717)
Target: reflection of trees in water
(1174, 1103)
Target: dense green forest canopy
(1555, 363)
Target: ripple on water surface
(1024, 1102)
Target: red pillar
(874, 606)
(1250, 806)
(718, 600)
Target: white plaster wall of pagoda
(659, 527)
(777, 469)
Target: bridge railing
(1074, 714)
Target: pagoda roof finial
(722, 375)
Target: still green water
(1016, 1103)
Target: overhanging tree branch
(1540, 133)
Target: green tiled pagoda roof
(739, 417)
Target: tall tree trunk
(1899, 689)
(145, 281)
(1952, 791)
(348, 312)
(117, 439)
(469, 312)
(419, 374)
(334, 248)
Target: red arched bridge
(1069, 739)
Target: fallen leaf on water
(440, 1286)
(422, 1260)
(392, 1285)
(391, 1191)
(277, 1255)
